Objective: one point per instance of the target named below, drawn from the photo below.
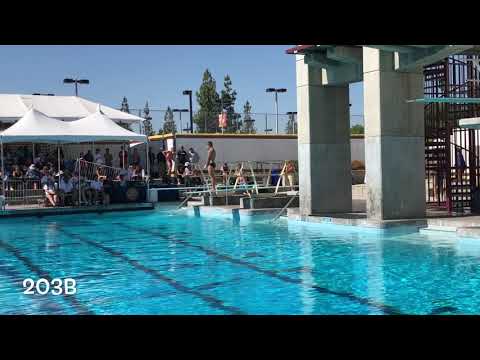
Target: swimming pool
(162, 262)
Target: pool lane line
(81, 308)
(387, 309)
(15, 277)
(210, 300)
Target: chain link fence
(253, 123)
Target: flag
(222, 120)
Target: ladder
(285, 207)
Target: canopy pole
(148, 165)
(79, 184)
(3, 167)
(123, 156)
(58, 156)
(33, 153)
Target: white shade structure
(67, 108)
(99, 127)
(37, 127)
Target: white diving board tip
(445, 101)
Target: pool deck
(22, 210)
(465, 225)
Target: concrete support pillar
(325, 179)
(394, 139)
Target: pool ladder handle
(286, 206)
(184, 202)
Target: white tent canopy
(67, 108)
(37, 127)
(98, 127)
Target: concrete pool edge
(6, 214)
(464, 227)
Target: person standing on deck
(88, 157)
(151, 158)
(289, 175)
(210, 165)
(182, 156)
(459, 164)
(99, 159)
(162, 165)
(194, 158)
(123, 156)
(169, 155)
(135, 157)
(108, 157)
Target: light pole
(276, 91)
(293, 115)
(76, 82)
(189, 93)
(180, 111)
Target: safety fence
(22, 191)
(239, 175)
(90, 171)
(164, 122)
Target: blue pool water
(162, 262)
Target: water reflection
(306, 296)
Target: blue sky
(158, 74)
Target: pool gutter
(74, 210)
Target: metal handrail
(283, 209)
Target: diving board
(471, 123)
(446, 101)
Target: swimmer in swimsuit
(211, 164)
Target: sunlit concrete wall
(254, 149)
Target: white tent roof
(37, 127)
(68, 108)
(99, 127)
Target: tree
(208, 101)
(169, 126)
(125, 109)
(247, 126)
(357, 130)
(291, 127)
(147, 123)
(228, 98)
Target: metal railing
(22, 191)
(89, 170)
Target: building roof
(67, 108)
